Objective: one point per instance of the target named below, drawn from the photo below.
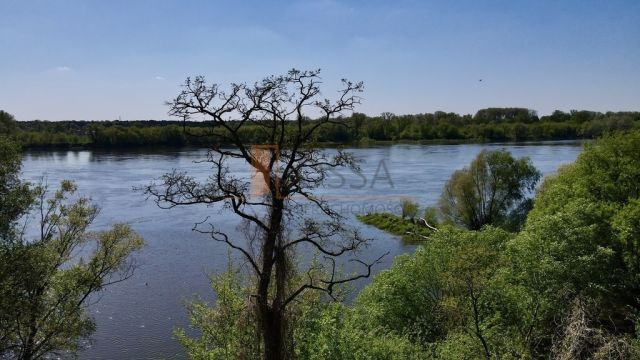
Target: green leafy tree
(581, 239)
(488, 189)
(358, 120)
(44, 281)
(499, 115)
(15, 195)
(332, 331)
(228, 327)
(451, 296)
(7, 123)
(409, 208)
(430, 218)
(565, 287)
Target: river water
(135, 319)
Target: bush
(409, 208)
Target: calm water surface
(135, 319)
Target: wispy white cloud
(158, 77)
(62, 69)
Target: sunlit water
(135, 319)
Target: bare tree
(277, 220)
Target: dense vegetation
(566, 286)
(493, 124)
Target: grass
(412, 233)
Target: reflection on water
(135, 318)
(70, 158)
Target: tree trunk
(274, 335)
(28, 347)
(270, 311)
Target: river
(135, 318)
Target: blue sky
(69, 59)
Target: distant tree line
(487, 125)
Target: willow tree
(277, 216)
(492, 190)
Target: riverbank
(511, 125)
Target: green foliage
(45, 281)
(493, 124)
(565, 287)
(626, 227)
(411, 232)
(228, 328)
(409, 208)
(450, 296)
(15, 195)
(332, 331)
(320, 329)
(431, 216)
(581, 237)
(487, 190)
(7, 123)
(404, 304)
(499, 115)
